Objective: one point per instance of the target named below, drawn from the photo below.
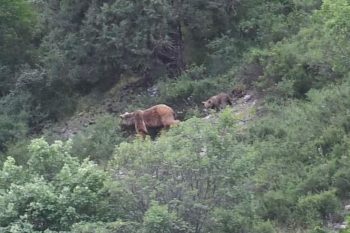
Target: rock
(340, 226)
(203, 151)
(152, 91)
(247, 97)
(207, 117)
(63, 130)
(242, 123)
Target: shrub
(312, 209)
(264, 227)
(102, 227)
(341, 181)
(193, 86)
(309, 59)
(12, 128)
(318, 179)
(54, 191)
(98, 141)
(19, 151)
(231, 221)
(158, 219)
(276, 206)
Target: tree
(95, 42)
(53, 190)
(17, 22)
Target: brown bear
(239, 91)
(218, 101)
(158, 116)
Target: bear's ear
(123, 115)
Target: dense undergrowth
(286, 171)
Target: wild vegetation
(286, 170)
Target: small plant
(98, 141)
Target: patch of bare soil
(245, 109)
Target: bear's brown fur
(239, 90)
(218, 101)
(158, 116)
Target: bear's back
(155, 115)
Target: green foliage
(272, 21)
(225, 52)
(187, 174)
(198, 176)
(318, 206)
(55, 191)
(264, 227)
(42, 97)
(276, 206)
(342, 182)
(12, 129)
(312, 58)
(303, 162)
(12, 174)
(157, 219)
(17, 21)
(97, 142)
(278, 172)
(192, 87)
(319, 229)
(89, 43)
(319, 178)
(47, 160)
(337, 28)
(231, 221)
(101, 227)
(33, 100)
(19, 151)
(287, 170)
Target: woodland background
(287, 170)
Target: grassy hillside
(286, 172)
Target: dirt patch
(245, 109)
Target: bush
(45, 98)
(225, 52)
(12, 129)
(102, 227)
(98, 141)
(276, 206)
(16, 35)
(264, 227)
(341, 181)
(319, 178)
(231, 221)
(157, 219)
(312, 209)
(54, 191)
(19, 151)
(311, 58)
(193, 86)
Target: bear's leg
(141, 129)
